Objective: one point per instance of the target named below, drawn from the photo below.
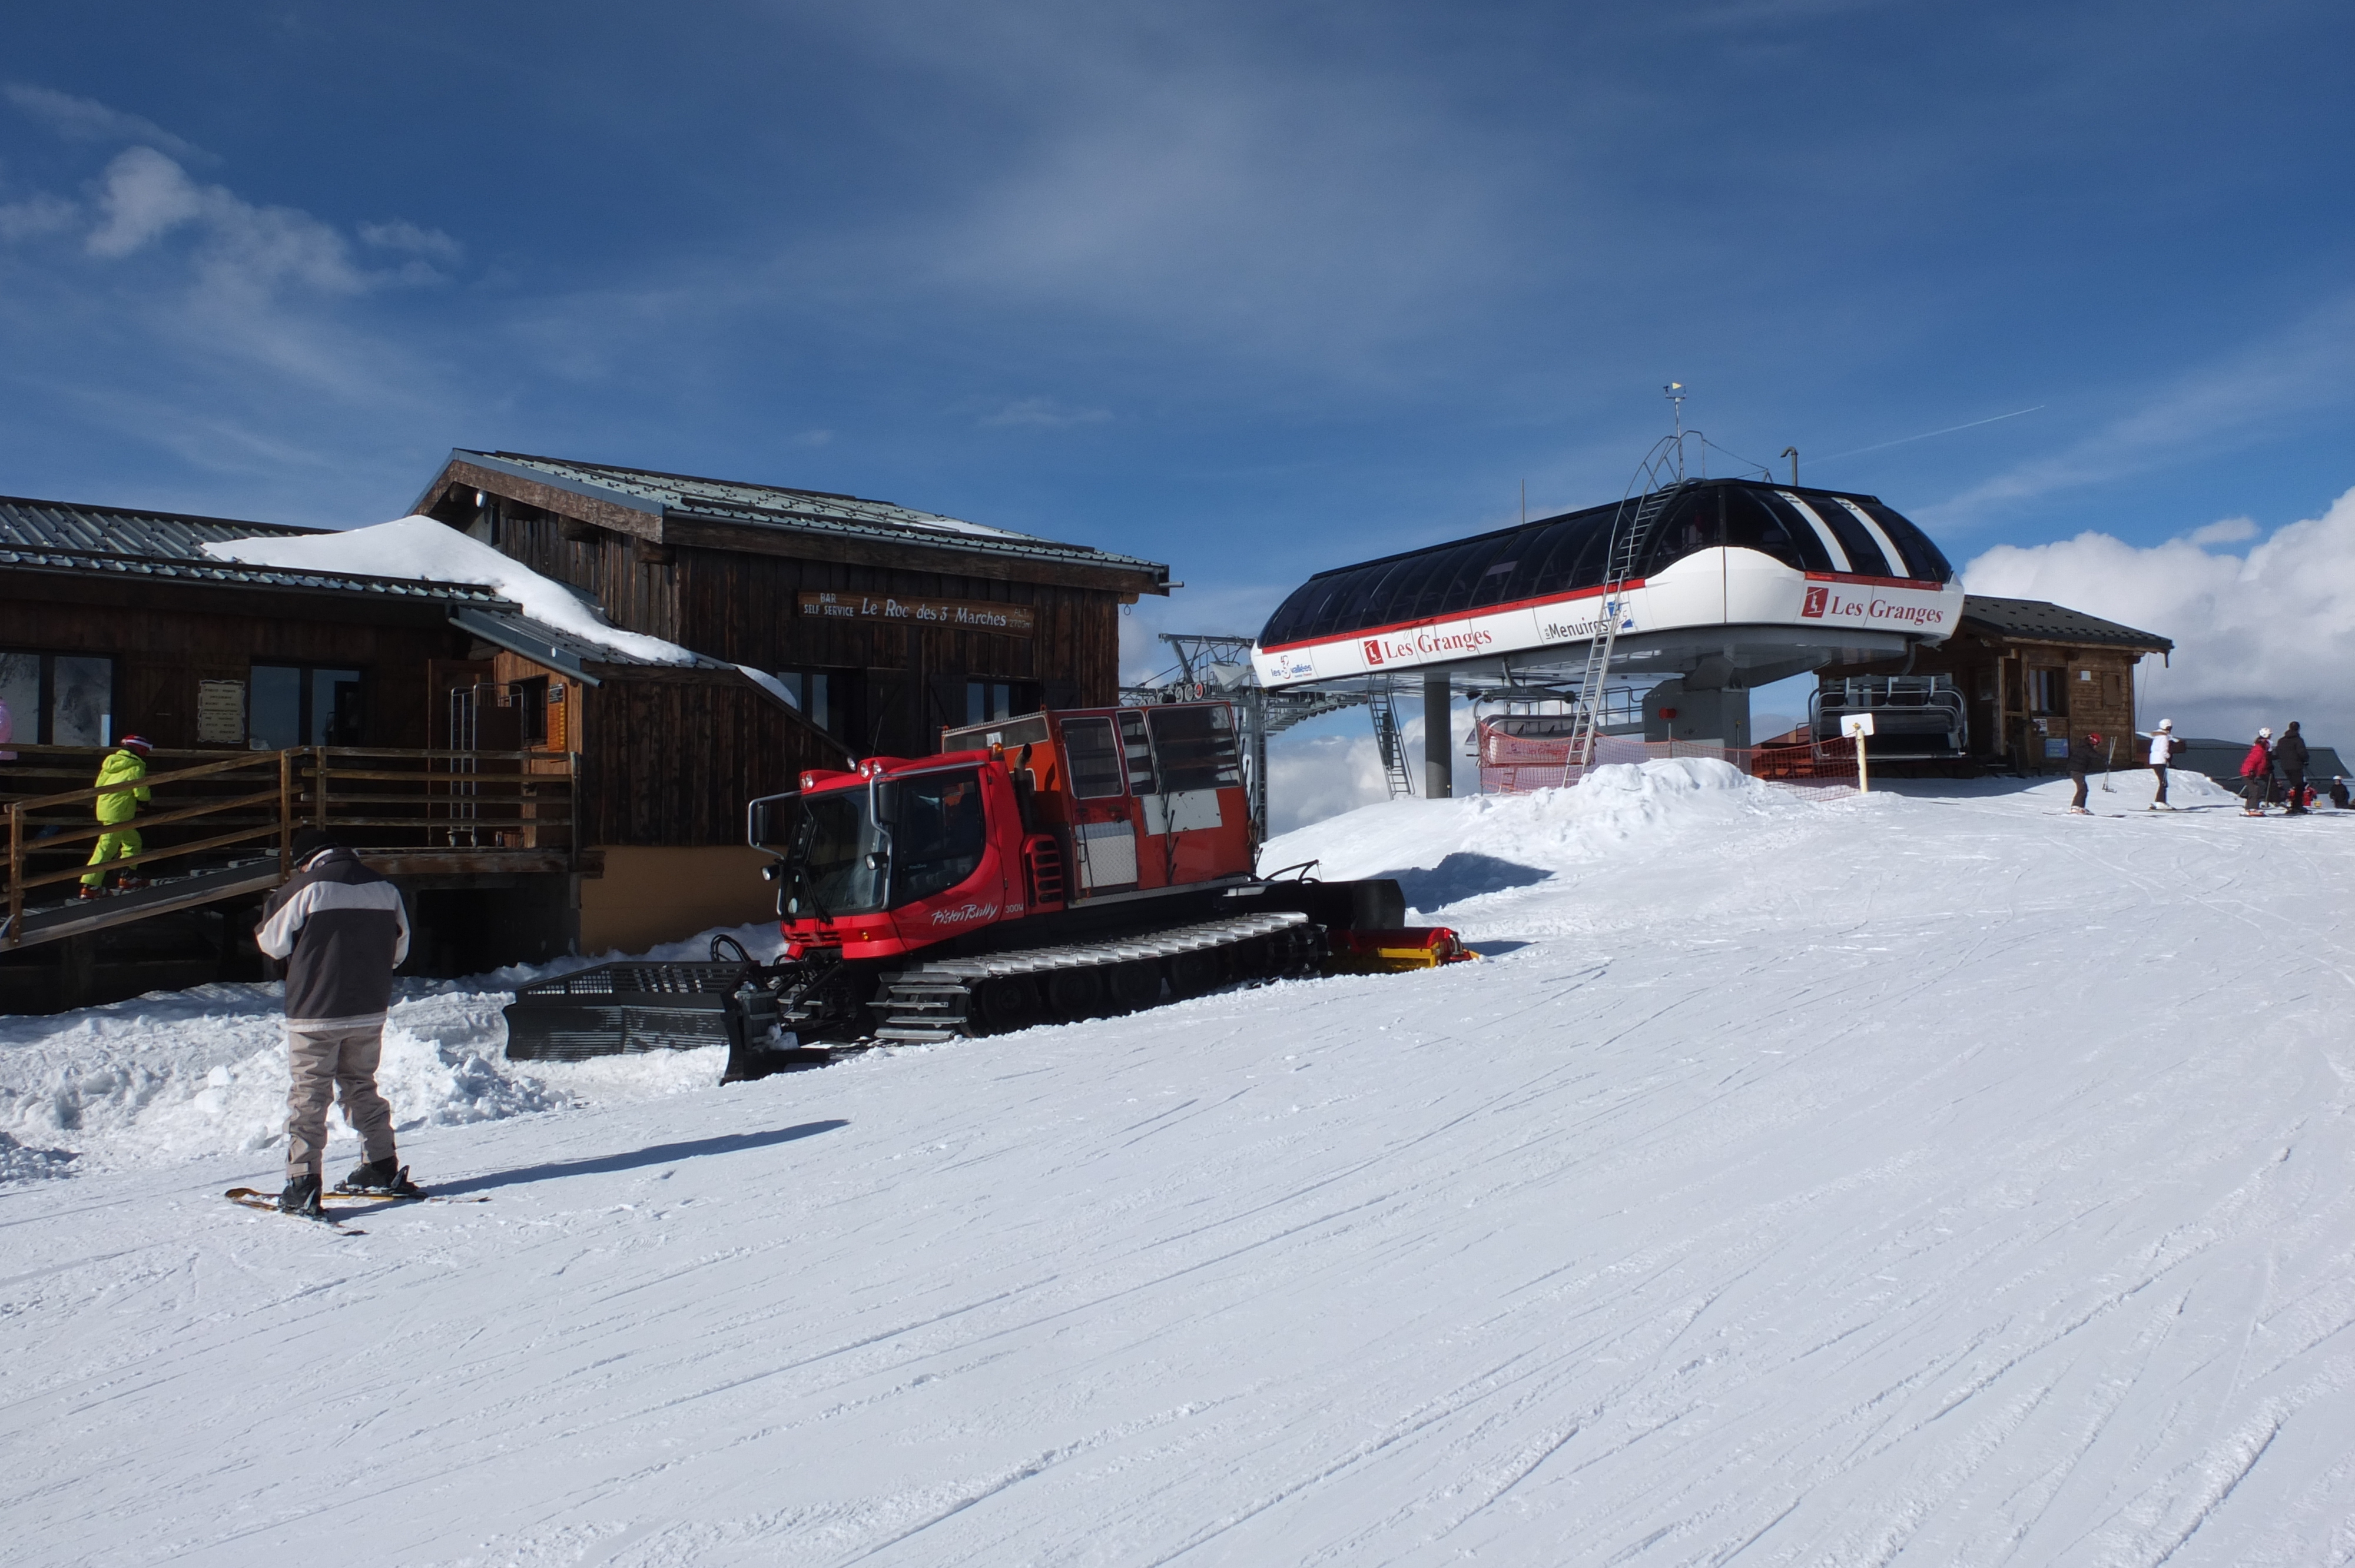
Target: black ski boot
(302, 1195)
(380, 1178)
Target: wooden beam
(461, 474)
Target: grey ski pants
(325, 1063)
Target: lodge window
(2046, 694)
(305, 705)
(58, 699)
(818, 696)
(989, 700)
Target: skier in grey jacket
(342, 930)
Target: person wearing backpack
(2257, 774)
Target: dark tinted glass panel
(1922, 558)
(274, 708)
(1499, 579)
(1296, 615)
(1138, 751)
(1688, 524)
(1471, 570)
(1094, 755)
(1374, 595)
(1442, 570)
(1557, 551)
(1195, 749)
(938, 832)
(1864, 556)
(335, 712)
(1754, 522)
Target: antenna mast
(1675, 393)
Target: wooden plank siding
(902, 683)
(162, 652)
(673, 763)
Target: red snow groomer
(1057, 866)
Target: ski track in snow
(1922, 1177)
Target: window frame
(43, 718)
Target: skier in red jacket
(2257, 774)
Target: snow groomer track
(957, 997)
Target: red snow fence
(1516, 764)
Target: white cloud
(2259, 639)
(87, 120)
(145, 196)
(1044, 414)
(2226, 531)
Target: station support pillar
(1438, 737)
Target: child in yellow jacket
(124, 766)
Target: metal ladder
(1395, 772)
(1629, 538)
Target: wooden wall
(901, 684)
(162, 649)
(2097, 696)
(673, 761)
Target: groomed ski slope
(1920, 1179)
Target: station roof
(1809, 530)
(2038, 620)
(643, 500)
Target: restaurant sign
(948, 614)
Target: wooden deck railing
(460, 812)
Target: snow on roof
(424, 550)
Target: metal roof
(121, 531)
(787, 510)
(560, 649)
(2039, 621)
(203, 569)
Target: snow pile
(1445, 851)
(182, 1075)
(422, 550)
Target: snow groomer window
(1195, 748)
(1140, 753)
(938, 832)
(1095, 757)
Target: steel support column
(1438, 737)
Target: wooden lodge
(2012, 689)
(535, 792)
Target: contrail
(1926, 435)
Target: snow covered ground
(1927, 1177)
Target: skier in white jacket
(2162, 747)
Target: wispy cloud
(1043, 414)
(404, 236)
(2217, 409)
(87, 120)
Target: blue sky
(1253, 289)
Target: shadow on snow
(658, 1154)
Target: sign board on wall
(948, 614)
(220, 713)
